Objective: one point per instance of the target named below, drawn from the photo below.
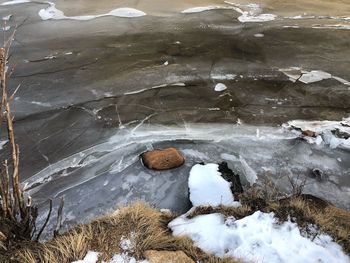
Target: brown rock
(309, 133)
(162, 159)
(154, 256)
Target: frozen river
(104, 81)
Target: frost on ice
(256, 238)
(207, 187)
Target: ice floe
(92, 257)
(307, 77)
(207, 187)
(256, 238)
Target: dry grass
(144, 226)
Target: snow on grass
(256, 238)
(207, 187)
(220, 87)
(91, 257)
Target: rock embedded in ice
(309, 133)
(220, 87)
(155, 256)
(162, 159)
(207, 187)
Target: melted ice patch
(52, 13)
(256, 238)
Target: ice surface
(207, 187)
(256, 238)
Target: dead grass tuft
(144, 226)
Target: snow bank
(256, 238)
(207, 187)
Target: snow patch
(2, 143)
(256, 238)
(207, 187)
(220, 87)
(52, 13)
(91, 257)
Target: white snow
(256, 238)
(91, 257)
(220, 87)
(52, 13)
(207, 187)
